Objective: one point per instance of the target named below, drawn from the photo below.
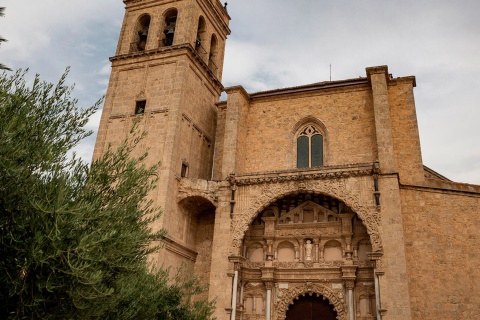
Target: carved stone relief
(270, 192)
(286, 298)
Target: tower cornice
(178, 50)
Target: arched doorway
(311, 308)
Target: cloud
(281, 43)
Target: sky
(282, 43)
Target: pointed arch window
(309, 147)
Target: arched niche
(333, 251)
(285, 251)
(196, 221)
(363, 247)
(255, 252)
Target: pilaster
(235, 129)
(378, 77)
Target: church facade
(309, 202)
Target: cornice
(322, 173)
(310, 87)
(186, 47)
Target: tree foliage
(74, 238)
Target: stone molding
(334, 172)
(286, 298)
(198, 188)
(177, 50)
(274, 189)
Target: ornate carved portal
(308, 243)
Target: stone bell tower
(166, 73)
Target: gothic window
(170, 22)
(143, 25)
(309, 148)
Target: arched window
(170, 22)
(141, 35)
(213, 54)
(309, 147)
(200, 35)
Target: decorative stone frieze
(286, 298)
(198, 188)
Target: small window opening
(142, 33)
(170, 24)
(184, 172)
(140, 107)
(309, 148)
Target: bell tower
(166, 74)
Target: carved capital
(269, 285)
(350, 284)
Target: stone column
(234, 296)
(241, 300)
(268, 303)
(377, 295)
(350, 285)
(349, 276)
(375, 256)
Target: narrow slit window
(309, 148)
(184, 172)
(140, 107)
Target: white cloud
(279, 43)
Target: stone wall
(441, 230)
